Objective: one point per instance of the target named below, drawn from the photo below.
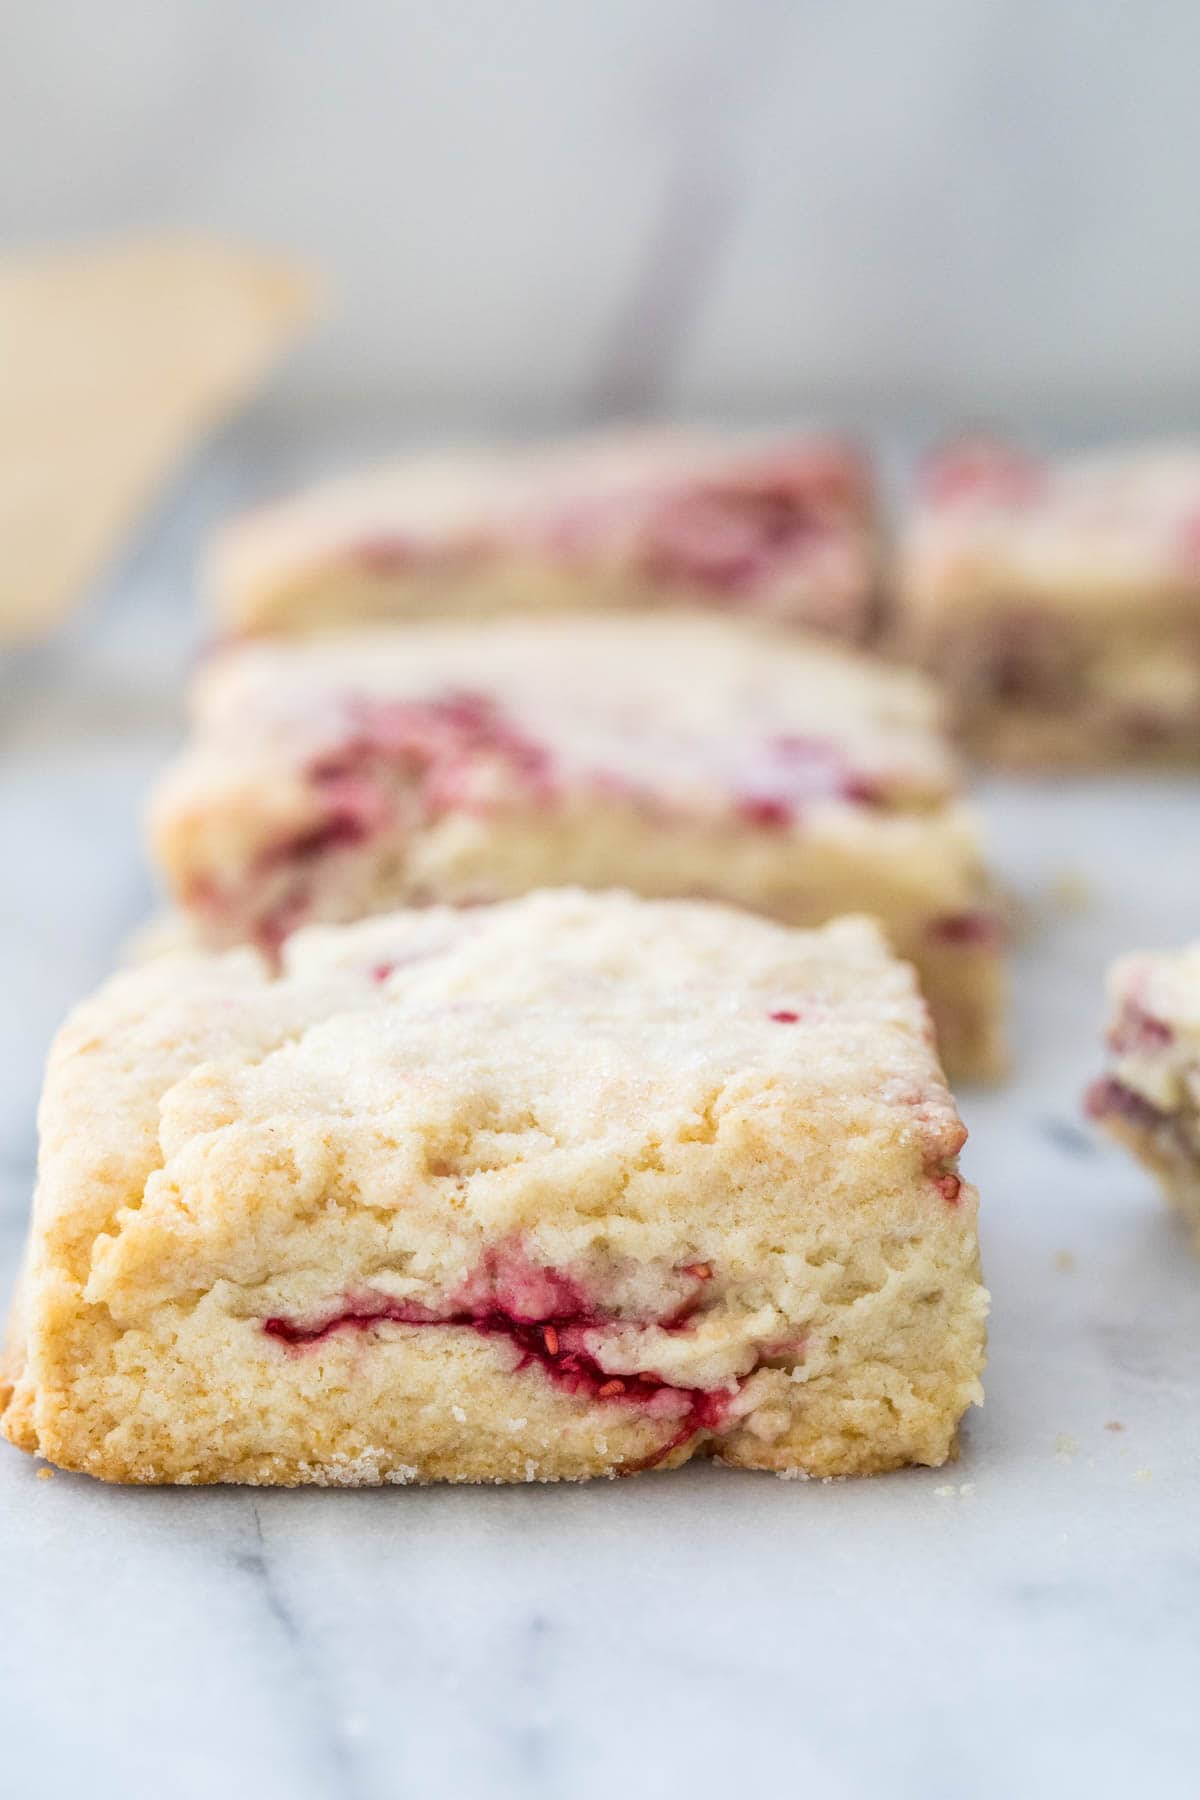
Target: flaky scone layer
(570, 1186)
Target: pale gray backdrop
(572, 206)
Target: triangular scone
(114, 360)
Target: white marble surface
(1024, 1623)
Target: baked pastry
(1150, 1097)
(781, 528)
(1060, 601)
(575, 1185)
(677, 755)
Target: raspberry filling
(792, 772)
(1172, 1138)
(546, 1317)
(981, 470)
(400, 764)
(443, 746)
(731, 536)
(737, 538)
(980, 928)
(1164, 1137)
(1137, 1032)
(388, 554)
(556, 1345)
(1109, 1098)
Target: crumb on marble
(1113, 1425)
(45, 1474)
(1064, 1261)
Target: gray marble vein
(716, 80)
(330, 1752)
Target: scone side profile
(1058, 601)
(680, 757)
(1149, 1099)
(783, 528)
(570, 1186)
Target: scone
(575, 1185)
(783, 528)
(1060, 601)
(1150, 1097)
(678, 756)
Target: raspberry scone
(677, 755)
(783, 528)
(1150, 1098)
(1060, 601)
(574, 1185)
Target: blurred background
(556, 209)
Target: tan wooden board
(114, 362)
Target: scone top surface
(682, 703)
(566, 499)
(604, 1013)
(433, 494)
(569, 1032)
(657, 1174)
(1077, 531)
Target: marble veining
(1021, 1623)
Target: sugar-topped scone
(1060, 601)
(676, 755)
(574, 1185)
(784, 528)
(1150, 1097)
